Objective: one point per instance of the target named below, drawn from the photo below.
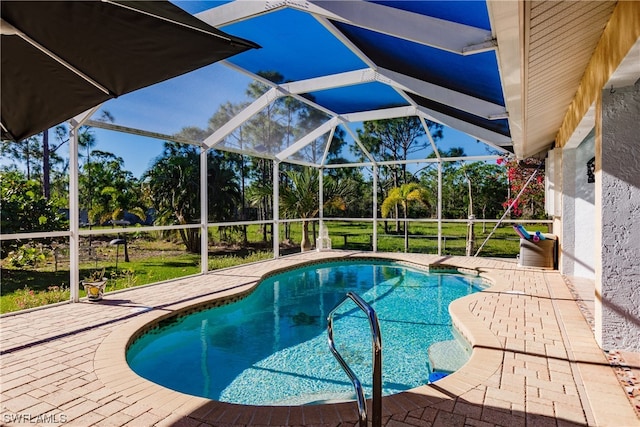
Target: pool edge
(113, 370)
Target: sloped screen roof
(474, 75)
(349, 62)
(296, 45)
(358, 60)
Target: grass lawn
(423, 238)
(32, 288)
(158, 259)
(150, 262)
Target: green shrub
(27, 256)
(233, 260)
(28, 298)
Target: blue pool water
(271, 347)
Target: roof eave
(508, 23)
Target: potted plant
(94, 285)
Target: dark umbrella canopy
(60, 58)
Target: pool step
(328, 401)
(447, 356)
(319, 398)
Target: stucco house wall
(618, 212)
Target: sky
(188, 100)
(193, 102)
(191, 99)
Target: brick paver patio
(535, 361)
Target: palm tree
(260, 196)
(299, 198)
(173, 186)
(174, 189)
(403, 196)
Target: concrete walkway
(535, 361)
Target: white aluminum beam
(438, 160)
(348, 165)
(301, 163)
(345, 41)
(74, 213)
(282, 91)
(494, 139)
(375, 209)
(321, 195)
(434, 147)
(328, 146)
(74, 206)
(440, 94)
(410, 26)
(246, 152)
(247, 73)
(133, 131)
(480, 47)
(253, 109)
(86, 115)
(470, 158)
(398, 23)
(40, 235)
(238, 10)
(439, 209)
(204, 212)
(426, 30)
(349, 78)
(403, 82)
(307, 139)
(359, 143)
(387, 113)
(275, 235)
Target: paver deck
(535, 361)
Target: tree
(108, 190)
(40, 157)
(453, 205)
(489, 188)
(299, 197)
(403, 196)
(335, 155)
(487, 181)
(236, 138)
(173, 184)
(24, 208)
(26, 152)
(265, 133)
(396, 140)
(530, 205)
(260, 196)
(222, 186)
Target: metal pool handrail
(377, 361)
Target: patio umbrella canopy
(61, 58)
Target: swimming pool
(271, 347)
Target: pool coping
(534, 360)
(112, 369)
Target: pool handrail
(377, 361)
